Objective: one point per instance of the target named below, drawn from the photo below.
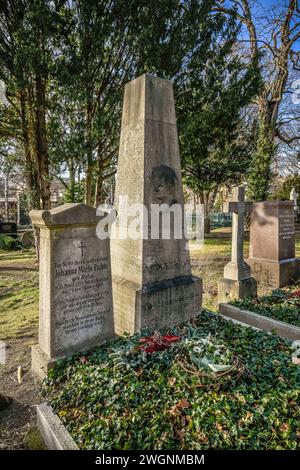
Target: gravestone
(272, 243)
(8, 228)
(152, 281)
(75, 285)
(237, 282)
(27, 239)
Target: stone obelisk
(152, 281)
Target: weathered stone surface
(275, 274)
(237, 269)
(54, 434)
(149, 172)
(288, 331)
(75, 284)
(272, 243)
(229, 289)
(41, 363)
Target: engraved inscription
(286, 226)
(81, 287)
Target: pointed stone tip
(148, 98)
(149, 77)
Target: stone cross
(82, 246)
(237, 269)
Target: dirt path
(18, 419)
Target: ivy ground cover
(282, 304)
(208, 384)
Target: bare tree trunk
(33, 198)
(284, 32)
(36, 234)
(6, 197)
(99, 181)
(203, 195)
(89, 144)
(71, 185)
(206, 214)
(212, 198)
(41, 145)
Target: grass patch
(18, 306)
(208, 263)
(33, 440)
(18, 294)
(20, 256)
(119, 397)
(282, 304)
(215, 247)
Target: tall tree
(273, 48)
(27, 37)
(213, 135)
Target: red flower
(296, 294)
(156, 342)
(83, 359)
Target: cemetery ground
(265, 395)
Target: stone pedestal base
(275, 274)
(230, 290)
(155, 305)
(40, 362)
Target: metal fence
(220, 219)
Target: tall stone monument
(272, 243)
(152, 281)
(237, 282)
(75, 285)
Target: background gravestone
(8, 228)
(75, 284)
(152, 280)
(272, 243)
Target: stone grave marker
(272, 243)
(237, 282)
(75, 285)
(8, 228)
(152, 280)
